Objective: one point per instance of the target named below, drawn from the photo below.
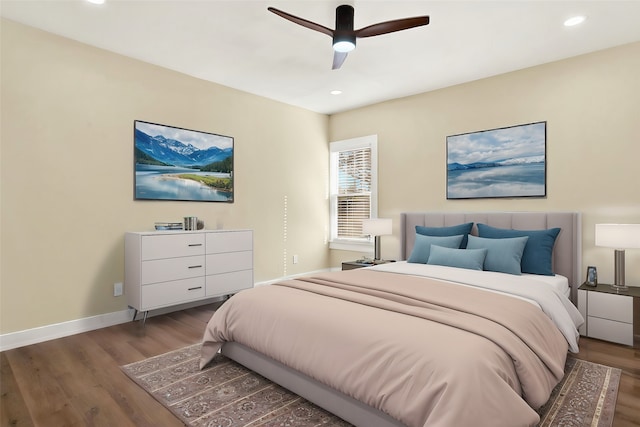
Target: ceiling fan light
(573, 21)
(344, 46)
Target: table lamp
(377, 227)
(619, 237)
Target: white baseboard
(72, 327)
(64, 329)
(78, 326)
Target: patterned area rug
(586, 396)
(227, 394)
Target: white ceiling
(241, 45)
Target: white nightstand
(608, 313)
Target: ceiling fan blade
(338, 59)
(301, 21)
(392, 26)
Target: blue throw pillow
(472, 259)
(504, 255)
(454, 230)
(422, 246)
(537, 257)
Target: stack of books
(168, 225)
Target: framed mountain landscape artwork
(173, 163)
(504, 162)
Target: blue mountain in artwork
(505, 162)
(477, 165)
(175, 153)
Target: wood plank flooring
(76, 381)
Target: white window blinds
(353, 189)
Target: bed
(412, 343)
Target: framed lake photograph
(504, 162)
(173, 163)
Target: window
(354, 187)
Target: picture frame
(592, 276)
(177, 164)
(505, 162)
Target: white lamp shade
(618, 236)
(377, 226)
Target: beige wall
(67, 171)
(66, 163)
(592, 107)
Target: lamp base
(376, 250)
(619, 283)
(619, 288)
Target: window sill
(343, 245)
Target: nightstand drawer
(610, 306)
(610, 330)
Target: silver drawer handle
(195, 266)
(195, 244)
(193, 289)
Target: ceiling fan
(344, 36)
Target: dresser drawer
(165, 270)
(229, 241)
(610, 330)
(610, 306)
(171, 293)
(172, 245)
(227, 262)
(229, 283)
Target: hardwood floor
(77, 381)
(626, 358)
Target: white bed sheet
(558, 282)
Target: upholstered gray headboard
(567, 252)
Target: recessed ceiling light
(574, 21)
(96, 1)
(336, 92)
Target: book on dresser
(167, 268)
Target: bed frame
(566, 261)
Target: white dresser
(608, 314)
(166, 268)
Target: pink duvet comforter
(426, 352)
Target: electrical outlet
(295, 259)
(117, 289)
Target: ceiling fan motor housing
(344, 38)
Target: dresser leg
(144, 318)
